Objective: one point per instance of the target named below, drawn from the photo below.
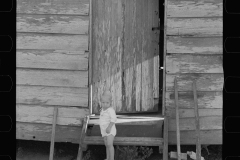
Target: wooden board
(42, 132)
(196, 45)
(69, 7)
(52, 24)
(195, 26)
(187, 113)
(176, 63)
(206, 123)
(205, 82)
(43, 95)
(52, 78)
(44, 114)
(199, 8)
(126, 141)
(52, 41)
(205, 99)
(52, 59)
(189, 137)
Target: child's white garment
(106, 117)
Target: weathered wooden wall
(194, 51)
(125, 54)
(52, 67)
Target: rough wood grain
(206, 123)
(52, 41)
(187, 113)
(189, 137)
(42, 132)
(199, 8)
(52, 78)
(52, 24)
(196, 45)
(205, 99)
(205, 82)
(43, 95)
(69, 7)
(195, 26)
(176, 63)
(44, 114)
(52, 59)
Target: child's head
(106, 99)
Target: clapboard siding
(206, 123)
(52, 41)
(52, 59)
(204, 82)
(205, 99)
(195, 45)
(52, 78)
(66, 7)
(52, 24)
(189, 137)
(195, 26)
(43, 95)
(44, 114)
(42, 132)
(176, 63)
(189, 113)
(191, 8)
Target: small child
(107, 124)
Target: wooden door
(125, 54)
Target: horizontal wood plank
(136, 141)
(205, 99)
(52, 59)
(176, 63)
(189, 137)
(73, 7)
(52, 41)
(42, 132)
(52, 78)
(204, 82)
(44, 114)
(206, 123)
(190, 8)
(187, 113)
(195, 26)
(52, 24)
(43, 95)
(195, 45)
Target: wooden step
(138, 141)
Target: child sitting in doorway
(107, 124)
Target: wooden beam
(165, 138)
(52, 24)
(177, 120)
(205, 99)
(69, 7)
(55, 113)
(52, 59)
(195, 26)
(138, 141)
(32, 77)
(43, 95)
(194, 64)
(205, 81)
(198, 145)
(195, 45)
(52, 42)
(200, 8)
(43, 114)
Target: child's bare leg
(107, 150)
(110, 147)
